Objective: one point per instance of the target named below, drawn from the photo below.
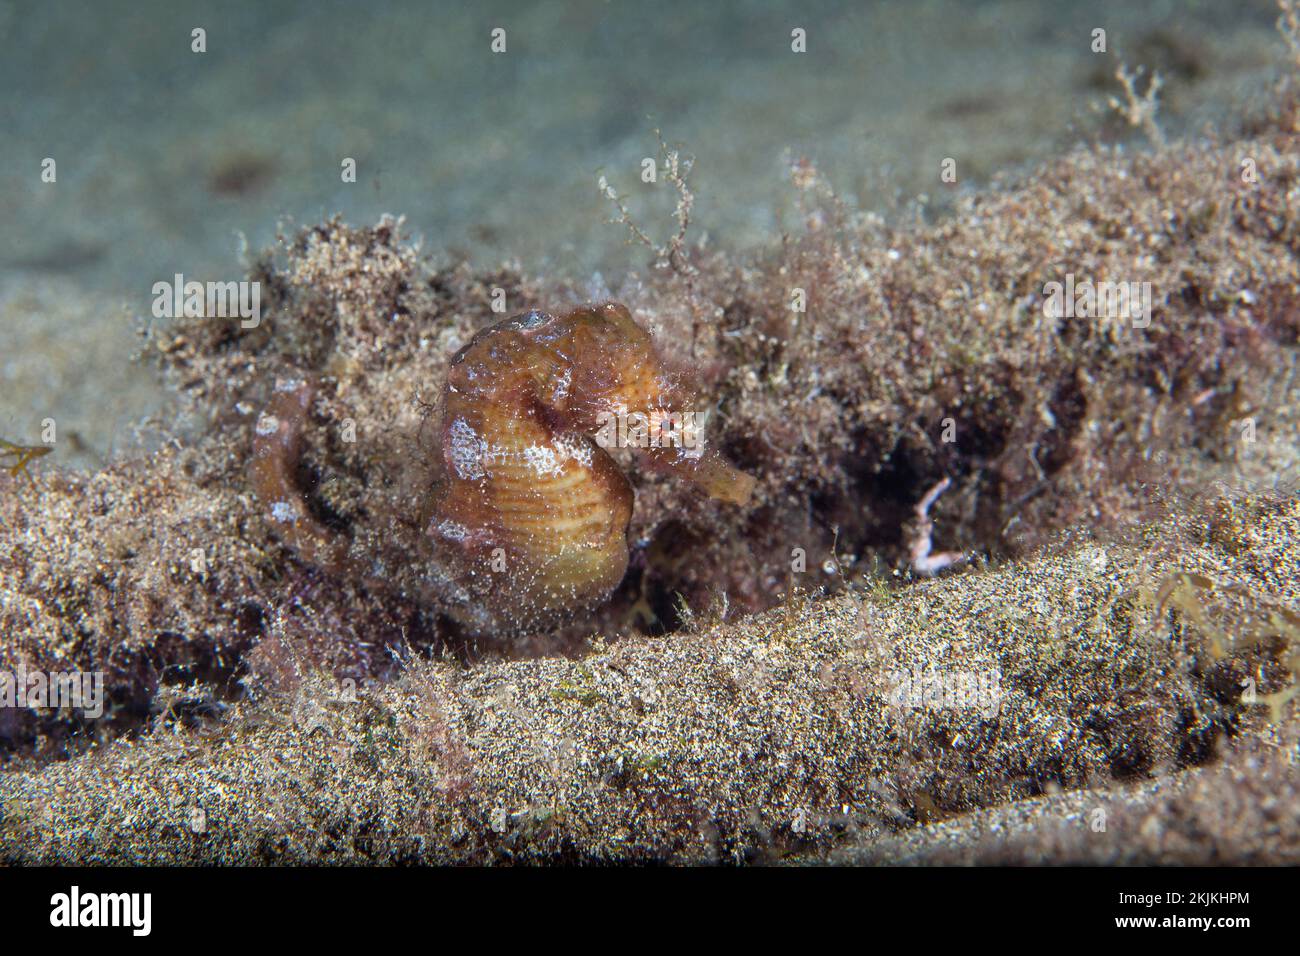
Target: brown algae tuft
(16, 458)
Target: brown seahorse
(529, 526)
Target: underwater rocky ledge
(765, 740)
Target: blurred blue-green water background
(169, 160)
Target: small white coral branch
(1139, 111)
(920, 541)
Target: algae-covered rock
(870, 721)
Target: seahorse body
(534, 513)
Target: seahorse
(529, 524)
